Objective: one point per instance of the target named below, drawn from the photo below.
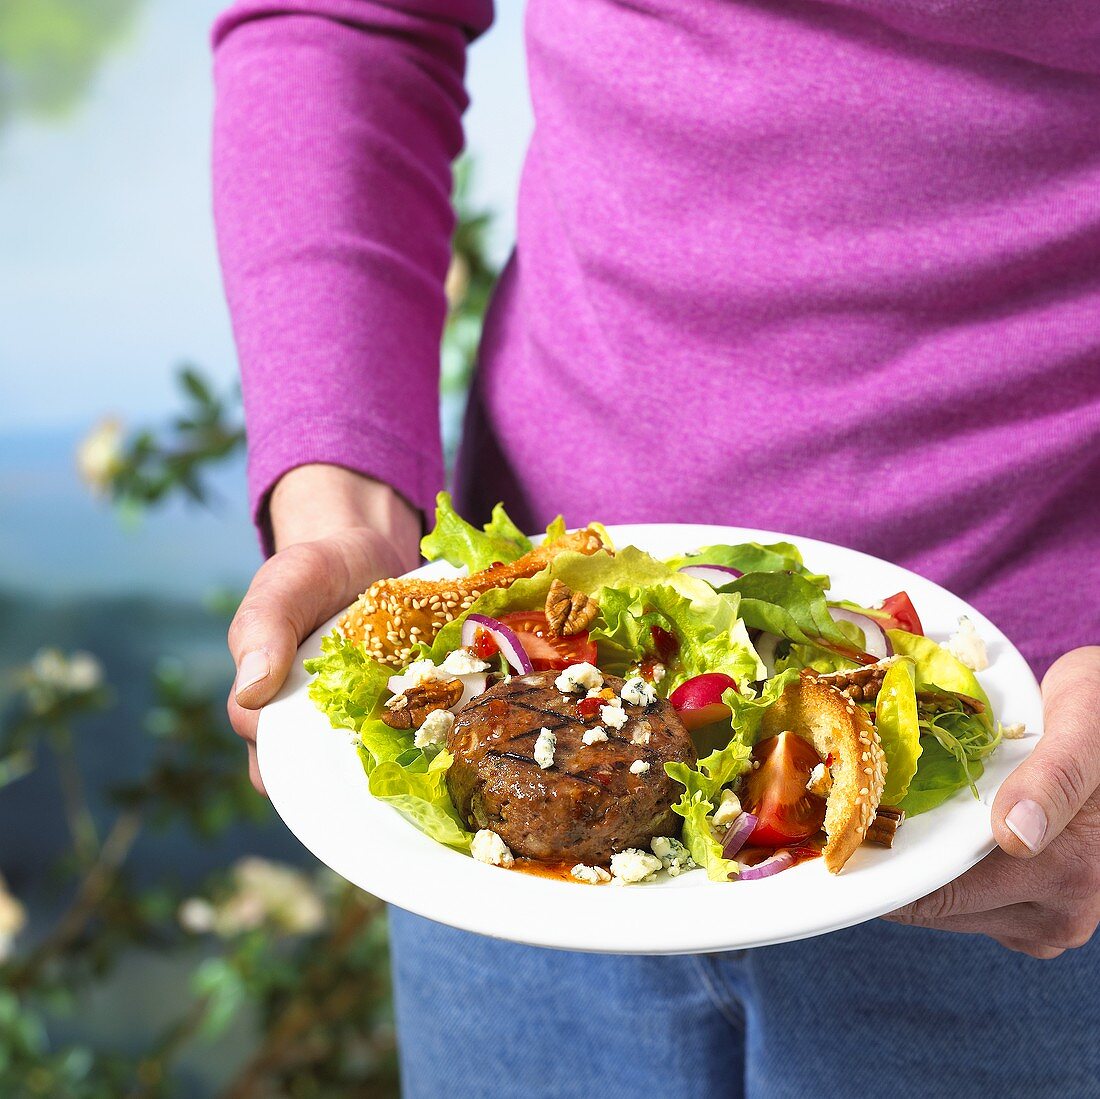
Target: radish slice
(718, 576)
(738, 834)
(875, 641)
(781, 860)
(506, 640)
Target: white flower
(266, 893)
(99, 456)
(488, 847)
(967, 647)
(13, 918)
(75, 674)
(197, 915)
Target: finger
(244, 721)
(1037, 924)
(1049, 788)
(291, 595)
(996, 881)
(254, 770)
(1021, 946)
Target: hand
(1040, 893)
(335, 532)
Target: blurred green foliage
(302, 955)
(51, 49)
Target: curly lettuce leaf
(420, 794)
(753, 557)
(700, 839)
(460, 543)
(714, 772)
(747, 710)
(899, 729)
(348, 684)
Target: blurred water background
(108, 281)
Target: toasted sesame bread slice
(841, 732)
(391, 616)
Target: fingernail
(253, 667)
(1028, 823)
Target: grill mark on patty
(518, 758)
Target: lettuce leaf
(700, 840)
(937, 669)
(939, 775)
(788, 605)
(714, 772)
(420, 794)
(348, 684)
(753, 557)
(460, 543)
(747, 711)
(899, 729)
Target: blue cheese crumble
(544, 748)
(488, 847)
(433, 733)
(632, 866)
(579, 677)
(637, 692)
(639, 767)
(613, 715)
(590, 875)
(674, 856)
(595, 735)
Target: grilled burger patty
(588, 804)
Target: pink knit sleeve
(335, 128)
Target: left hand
(1040, 892)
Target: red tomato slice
(775, 793)
(903, 615)
(698, 700)
(548, 652)
(485, 648)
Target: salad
(592, 712)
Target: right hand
(335, 533)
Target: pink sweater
(825, 268)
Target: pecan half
(410, 709)
(569, 612)
(885, 825)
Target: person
(818, 267)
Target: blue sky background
(109, 278)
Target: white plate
(316, 783)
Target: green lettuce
(420, 794)
(702, 792)
(939, 775)
(634, 590)
(460, 543)
(899, 729)
(788, 605)
(347, 684)
(937, 669)
(753, 557)
(747, 710)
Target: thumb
(1049, 788)
(290, 596)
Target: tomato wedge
(547, 651)
(902, 614)
(775, 792)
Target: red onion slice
(718, 576)
(781, 860)
(506, 640)
(738, 834)
(876, 643)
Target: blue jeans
(878, 1010)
